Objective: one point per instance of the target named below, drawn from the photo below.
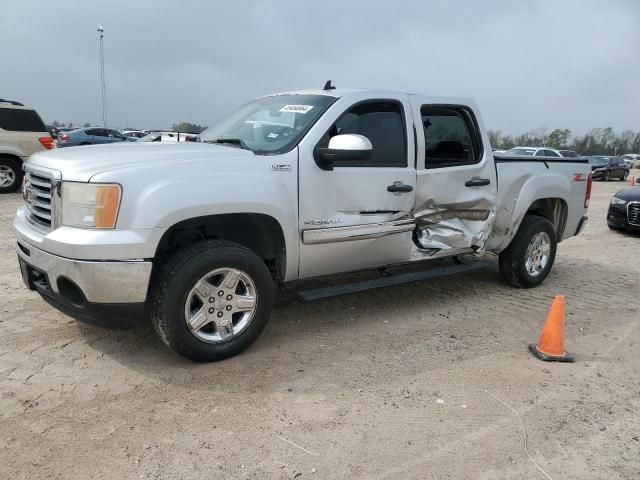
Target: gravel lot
(400, 383)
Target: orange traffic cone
(633, 181)
(551, 344)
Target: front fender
(155, 199)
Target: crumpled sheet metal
(442, 228)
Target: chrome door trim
(356, 232)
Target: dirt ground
(415, 382)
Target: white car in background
(168, 137)
(533, 152)
(632, 159)
(134, 133)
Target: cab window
(451, 136)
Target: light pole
(102, 81)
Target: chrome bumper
(100, 282)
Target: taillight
(587, 194)
(64, 137)
(47, 142)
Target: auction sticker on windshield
(296, 108)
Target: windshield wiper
(231, 141)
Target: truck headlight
(618, 201)
(90, 205)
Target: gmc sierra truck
(196, 236)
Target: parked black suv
(605, 168)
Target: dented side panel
(451, 216)
(523, 185)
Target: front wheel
(624, 175)
(211, 300)
(527, 261)
(607, 177)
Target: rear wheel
(527, 261)
(211, 300)
(10, 174)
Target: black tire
(177, 276)
(606, 177)
(512, 260)
(16, 167)
(84, 143)
(624, 176)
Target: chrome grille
(38, 192)
(633, 213)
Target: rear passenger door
(456, 179)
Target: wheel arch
(258, 232)
(553, 209)
(12, 156)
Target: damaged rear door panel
(456, 186)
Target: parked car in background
(632, 158)
(169, 137)
(22, 132)
(134, 133)
(569, 153)
(624, 210)
(533, 152)
(53, 131)
(605, 168)
(91, 136)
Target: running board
(327, 292)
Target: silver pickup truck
(196, 236)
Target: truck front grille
(633, 213)
(38, 196)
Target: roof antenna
(328, 86)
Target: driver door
(357, 214)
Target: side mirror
(342, 148)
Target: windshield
(599, 160)
(269, 125)
(521, 151)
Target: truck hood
(81, 163)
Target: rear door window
(450, 136)
(21, 120)
(97, 132)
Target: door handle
(477, 182)
(399, 187)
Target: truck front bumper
(105, 293)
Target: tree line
(598, 141)
(58, 124)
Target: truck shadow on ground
(312, 334)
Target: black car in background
(606, 167)
(624, 210)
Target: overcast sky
(528, 63)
